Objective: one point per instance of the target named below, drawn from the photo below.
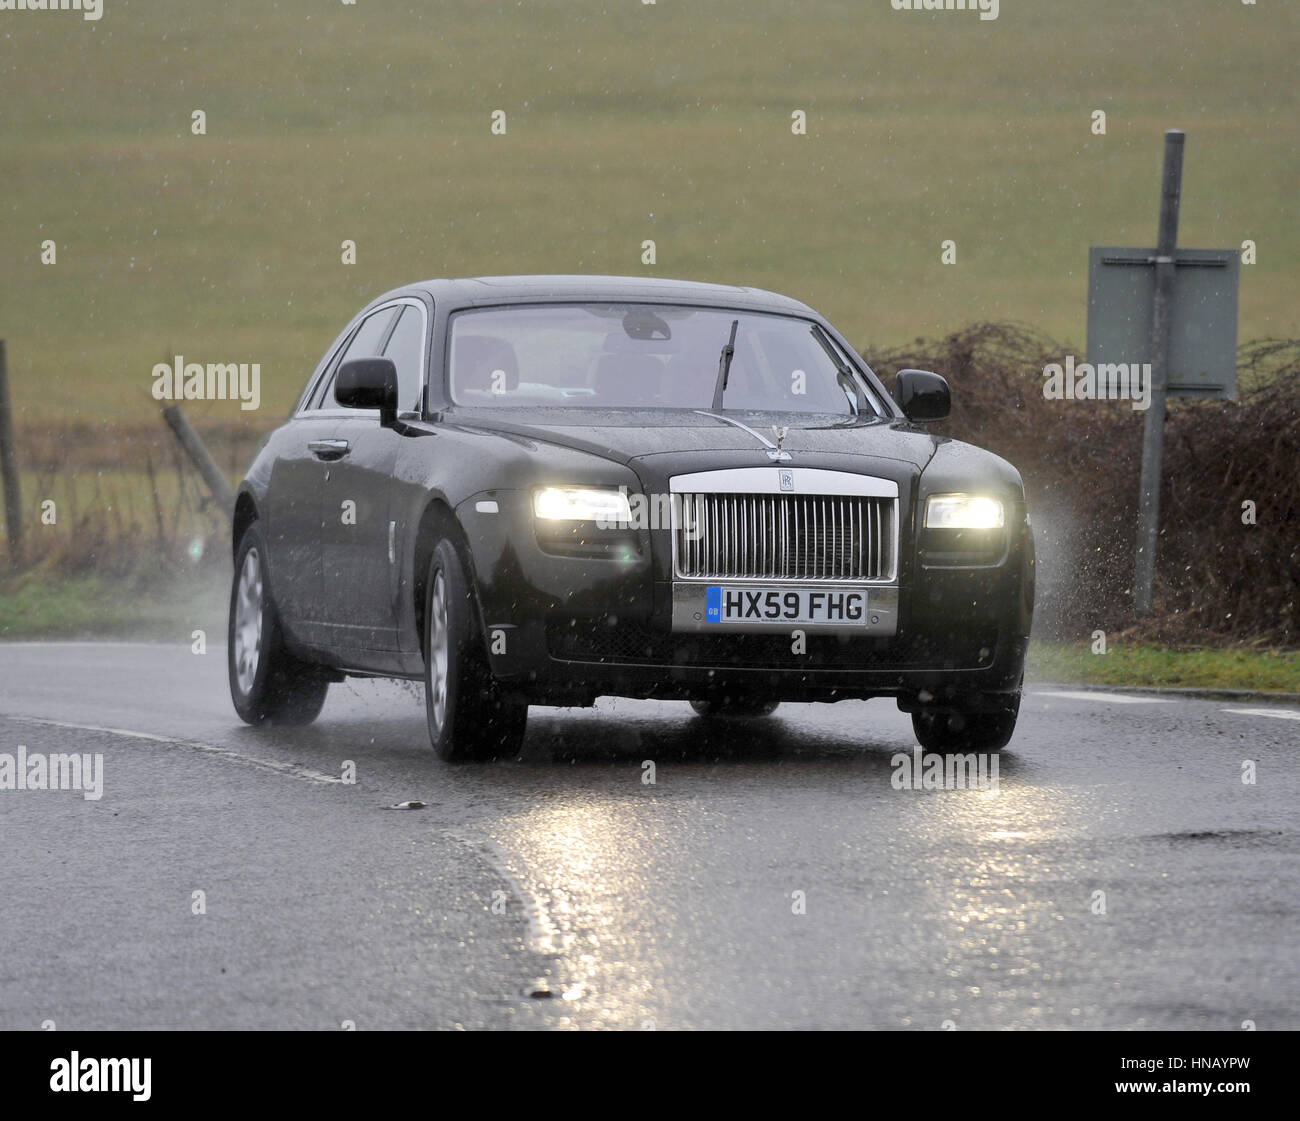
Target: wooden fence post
(9, 467)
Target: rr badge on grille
(786, 480)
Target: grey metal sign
(1203, 331)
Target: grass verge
(141, 606)
(1232, 668)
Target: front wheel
(268, 685)
(956, 732)
(469, 715)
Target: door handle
(329, 449)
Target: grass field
(625, 121)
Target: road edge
(1189, 691)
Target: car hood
(646, 434)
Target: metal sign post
(1153, 432)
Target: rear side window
(406, 349)
(365, 344)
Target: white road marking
(85, 643)
(1113, 698)
(543, 935)
(293, 770)
(1276, 713)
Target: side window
(406, 349)
(365, 344)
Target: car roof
(484, 290)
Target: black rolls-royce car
(545, 489)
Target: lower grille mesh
(631, 643)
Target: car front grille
(785, 537)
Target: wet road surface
(771, 876)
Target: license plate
(783, 606)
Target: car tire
(734, 708)
(268, 685)
(954, 732)
(469, 715)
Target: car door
(295, 511)
(359, 545)
(292, 511)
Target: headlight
(963, 511)
(582, 504)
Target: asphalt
(772, 876)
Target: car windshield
(649, 356)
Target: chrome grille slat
(881, 543)
(879, 537)
(785, 537)
(845, 539)
(733, 558)
(837, 559)
(792, 542)
(806, 542)
(861, 537)
(716, 537)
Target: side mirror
(922, 395)
(368, 383)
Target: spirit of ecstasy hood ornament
(777, 455)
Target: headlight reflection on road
(587, 864)
(997, 861)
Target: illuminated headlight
(963, 511)
(582, 504)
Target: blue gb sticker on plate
(713, 605)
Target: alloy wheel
(248, 621)
(439, 651)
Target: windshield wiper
(724, 367)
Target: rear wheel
(957, 732)
(268, 685)
(470, 716)
(734, 708)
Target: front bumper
(567, 629)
